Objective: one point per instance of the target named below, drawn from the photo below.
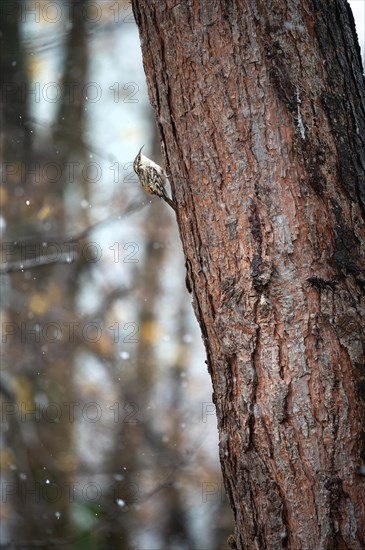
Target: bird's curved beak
(139, 152)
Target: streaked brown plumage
(152, 177)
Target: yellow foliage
(39, 303)
(3, 196)
(151, 332)
(44, 213)
(24, 392)
(7, 458)
(104, 346)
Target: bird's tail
(169, 201)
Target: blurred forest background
(108, 432)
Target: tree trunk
(260, 105)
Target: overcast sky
(358, 8)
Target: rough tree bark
(260, 105)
